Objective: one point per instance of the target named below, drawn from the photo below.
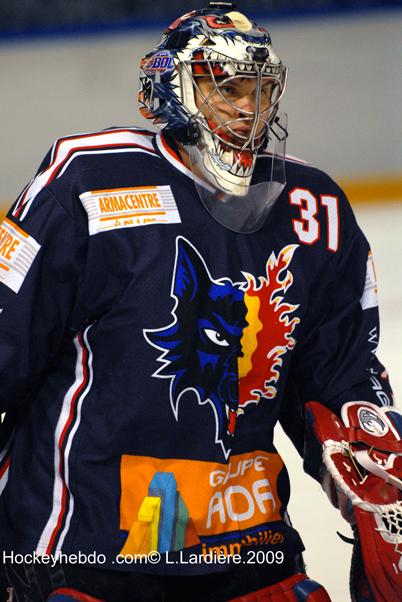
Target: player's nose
(246, 104)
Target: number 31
(307, 227)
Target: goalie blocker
(361, 472)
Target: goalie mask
(213, 83)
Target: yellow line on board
(372, 190)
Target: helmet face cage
(219, 46)
(263, 75)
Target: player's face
(234, 102)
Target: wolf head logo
(212, 345)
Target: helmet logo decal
(227, 341)
(161, 62)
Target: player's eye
(228, 90)
(216, 337)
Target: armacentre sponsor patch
(17, 253)
(129, 207)
(369, 297)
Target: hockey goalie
(162, 292)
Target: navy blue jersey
(147, 352)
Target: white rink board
(326, 556)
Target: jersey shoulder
(69, 156)
(300, 173)
(319, 196)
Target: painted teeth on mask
(230, 69)
(241, 170)
(228, 156)
(237, 170)
(225, 154)
(245, 67)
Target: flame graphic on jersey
(269, 328)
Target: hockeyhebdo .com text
(215, 556)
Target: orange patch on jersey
(129, 207)
(219, 497)
(17, 253)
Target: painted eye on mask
(216, 337)
(219, 22)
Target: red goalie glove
(362, 457)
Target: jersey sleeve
(42, 260)
(335, 359)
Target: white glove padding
(362, 456)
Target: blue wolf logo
(227, 340)
(202, 345)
